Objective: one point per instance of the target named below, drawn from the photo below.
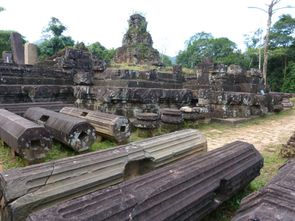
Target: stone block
(17, 48)
(31, 53)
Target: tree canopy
(54, 39)
(204, 45)
(101, 52)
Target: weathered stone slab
(29, 140)
(109, 126)
(72, 131)
(274, 202)
(31, 53)
(147, 121)
(29, 188)
(186, 190)
(171, 116)
(36, 75)
(17, 48)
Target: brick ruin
(137, 45)
(74, 75)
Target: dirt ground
(271, 131)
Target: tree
(1, 9)
(281, 50)
(54, 40)
(283, 32)
(101, 52)
(165, 60)
(253, 44)
(5, 44)
(289, 83)
(204, 45)
(270, 11)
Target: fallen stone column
(274, 202)
(186, 190)
(27, 189)
(110, 126)
(72, 131)
(28, 139)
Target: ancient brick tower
(137, 45)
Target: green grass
(7, 159)
(102, 145)
(58, 151)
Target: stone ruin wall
(229, 91)
(25, 83)
(76, 76)
(129, 92)
(218, 91)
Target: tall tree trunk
(266, 40)
(259, 58)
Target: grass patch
(7, 159)
(272, 163)
(59, 151)
(102, 145)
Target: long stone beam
(186, 190)
(72, 131)
(274, 202)
(26, 138)
(27, 189)
(109, 126)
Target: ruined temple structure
(75, 76)
(137, 45)
(214, 91)
(230, 91)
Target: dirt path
(270, 130)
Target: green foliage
(55, 27)
(59, 151)
(102, 145)
(54, 40)
(282, 32)
(281, 54)
(6, 159)
(101, 52)
(289, 81)
(2, 9)
(51, 46)
(203, 45)
(5, 44)
(5, 41)
(165, 60)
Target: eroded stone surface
(137, 45)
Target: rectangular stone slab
(273, 202)
(26, 189)
(186, 190)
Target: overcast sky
(170, 22)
